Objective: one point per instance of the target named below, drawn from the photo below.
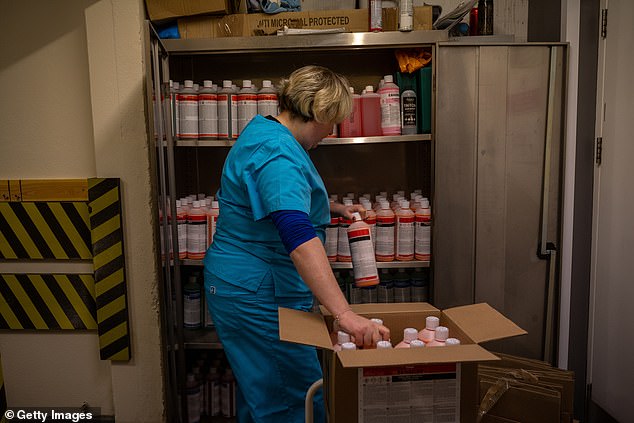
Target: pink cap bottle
(442, 333)
(428, 334)
(409, 334)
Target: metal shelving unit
(365, 57)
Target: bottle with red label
(188, 112)
(332, 233)
(363, 259)
(247, 104)
(422, 232)
(207, 112)
(405, 232)
(385, 220)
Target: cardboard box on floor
(472, 324)
(247, 25)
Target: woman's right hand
(363, 332)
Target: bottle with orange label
(422, 231)
(405, 232)
(385, 233)
(363, 259)
(196, 232)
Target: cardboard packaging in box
(450, 372)
(169, 9)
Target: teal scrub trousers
(272, 376)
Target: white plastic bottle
(409, 334)
(192, 389)
(212, 220)
(247, 104)
(227, 111)
(207, 112)
(442, 333)
(181, 224)
(267, 99)
(406, 15)
(429, 333)
(332, 233)
(363, 258)
(371, 112)
(343, 246)
(385, 233)
(422, 233)
(390, 107)
(352, 125)
(196, 232)
(188, 111)
(409, 112)
(405, 233)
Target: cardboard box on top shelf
(433, 383)
(160, 10)
(247, 25)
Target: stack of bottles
(210, 111)
(400, 229)
(433, 335)
(196, 218)
(395, 286)
(210, 387)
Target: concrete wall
(72, 106)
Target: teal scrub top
(266, 170)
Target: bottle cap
(388, 79)
(214, 204)
(178, 203)
(342, 337)
(442, 333)
(196, 204)
(375, 320)
(383, 345)
(176, 85)
(226, 83)
(432, 322)
(266, 84)
(207, 83)
(409, 334)
(348, 346)
(356, 216)
(452, 342)
(246, 83)
(416, 343)
(369, 89)
(351, 89)
(189, 83)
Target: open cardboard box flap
(304, 328)
(483, 323)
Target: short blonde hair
(316, 93)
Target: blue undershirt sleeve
(294, 228)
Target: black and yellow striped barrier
(45, 301)
(3, 396)
(44, 230)
(109, 264)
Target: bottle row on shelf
(208, 111)
(210, 386)
(400, 229)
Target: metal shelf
(206, 338)
(325, 141)
(343, 41)
(346, 265)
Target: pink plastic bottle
(409, 334)
(371, 112)
(352, 125)
(429, 333)
(422, 234)
(405, 233)
(442, 333)
(385, 233)
(362, 252)
(390, 107)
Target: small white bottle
(442, 333)
(409, 334)
(383, 345)
(267, 99)
(348, 346)
(247, 104)
(207, 112)
(406, 15)
(428, 334)
(452, 342)
(188, 111)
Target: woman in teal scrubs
(268, 250)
